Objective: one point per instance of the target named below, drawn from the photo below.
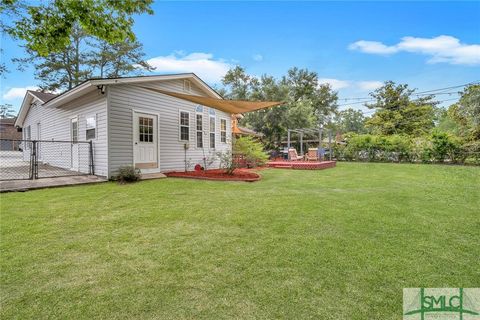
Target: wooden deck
(302, 165)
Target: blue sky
(352, 45)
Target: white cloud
(336, 84)
(443, 48)
(369, 85)
(374, 47)
(15, 93)
(202, 64)
(257, 57)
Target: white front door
(145, 143)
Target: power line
(427, 93)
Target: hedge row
(435, 148)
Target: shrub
(445, 147)
(128, 174)
(246, 153)
(251, 151)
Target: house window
(145, 129)
(199, 131)
(184, 126)
(223, 130)
(186, 85)
(28, 133)
(91, 128)
(74, 130)
(199, 108)
(212, 132)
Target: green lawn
(334, 244)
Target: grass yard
(334, 244)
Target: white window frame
(180, 125)
(72, 120)
(210, 131)
(223, 131)
(28, 132)
(95, 116)
(199, 131)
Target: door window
(145, 129)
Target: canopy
(230, 106)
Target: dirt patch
(218, 174)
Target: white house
(131, 121)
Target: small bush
(127, 174)
(251, 151)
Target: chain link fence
(35, 159)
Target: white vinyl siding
(124, 98)
(56, 125)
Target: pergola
(310, 130)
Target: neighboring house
(8, 131)
(129, 123)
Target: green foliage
(247, 152)
(350, 120)
(127, 174)
(466, 113)
(85, 58)
(437, 147)
(398, 113)
(445, 146)
(251, 150)
(306, 102)
(46, 27)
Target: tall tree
(46, 27)
(350, 120)
(118, 59)
(86, 58)
(65, 69)
(305, 101)
(397, 113)
(6, 111)
(466, 112)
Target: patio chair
(293, 156)
(312, 154)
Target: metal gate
(35, 159)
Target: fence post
(33, 161)
(92, 166)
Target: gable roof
(30, 95)
(93, 84)
(43, 96)
(52, 100)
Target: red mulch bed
(218, 174)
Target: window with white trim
(184, 126)
(212, 132)
(28, 133)
(91, 127)
(199, 124)
(74, 130)
(223, 130)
